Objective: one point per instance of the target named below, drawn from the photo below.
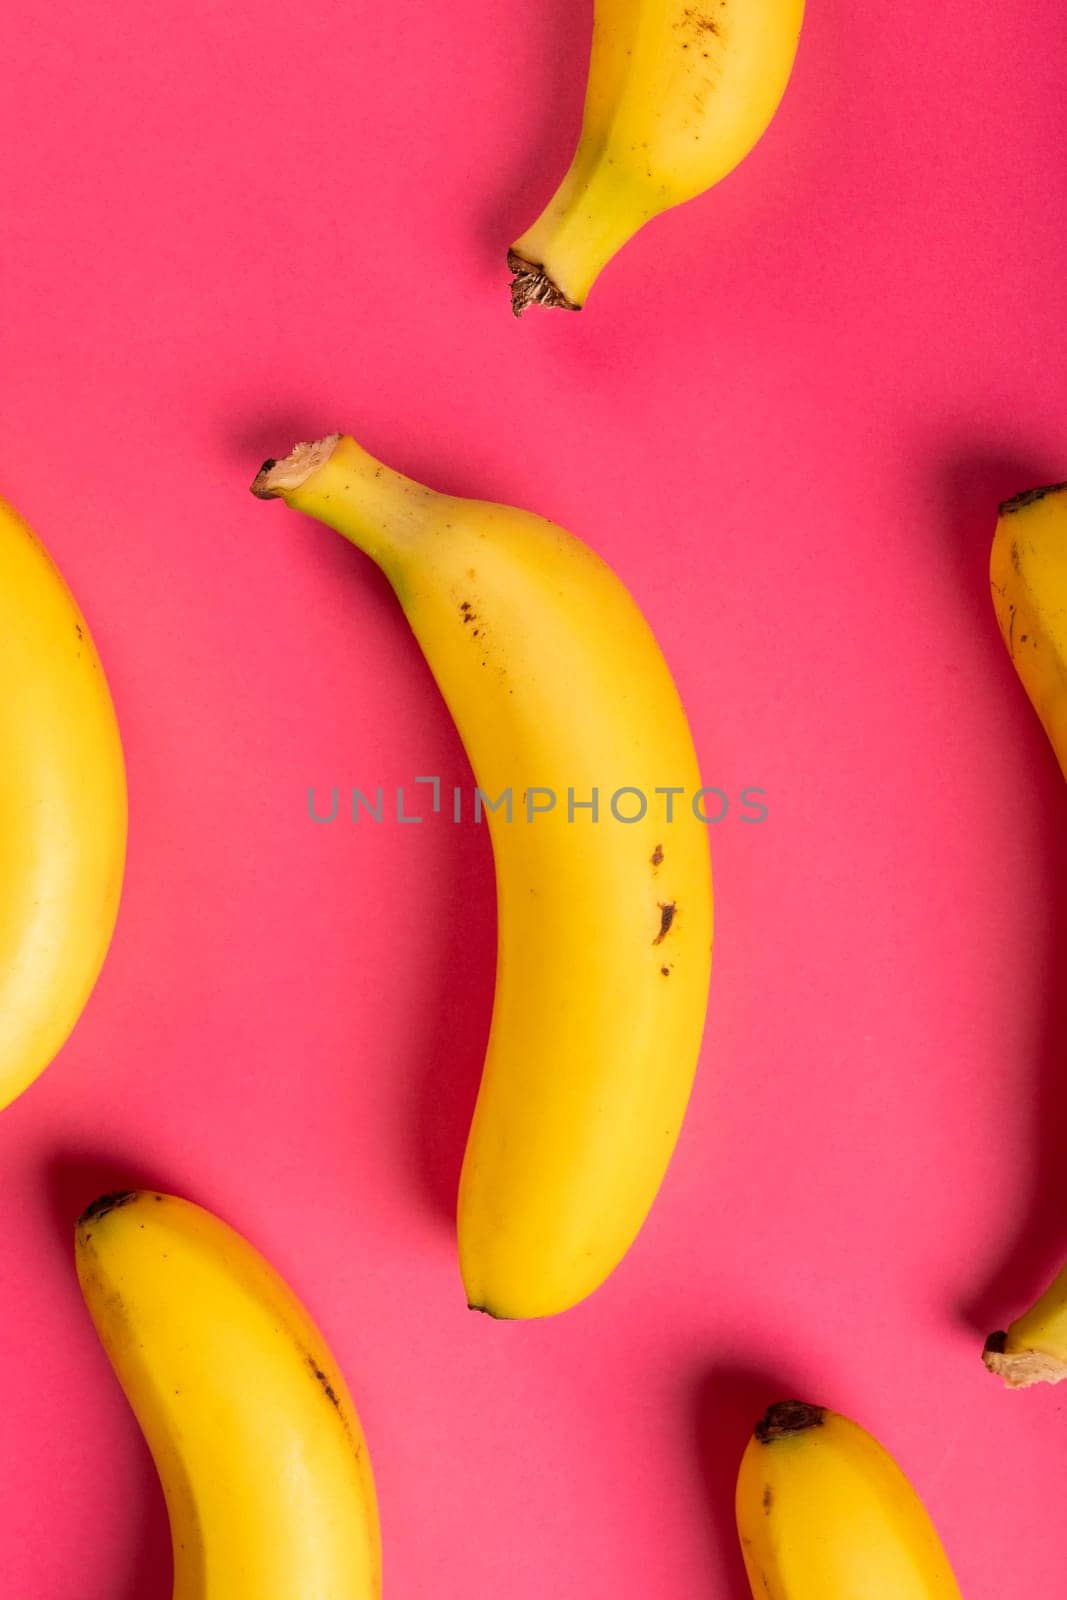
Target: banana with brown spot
(604, 927)
(1028, 581)
(678, 94)
(253, 1431)
(825, 1513)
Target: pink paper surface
(786, 417)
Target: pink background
(786, 416)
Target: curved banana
(1028, 579)
(559, 689)
(679, 91)
(62, 809)
(824, 1513)
(252, 1429)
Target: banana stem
(592, 214)
(1020, 1368)
(532, 286)
(339, 483)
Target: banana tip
(105, 1203)
(487, 1311)
(1029, 497)
(787, 1417)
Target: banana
(252, 1429)
(679, 91)
(62, 810)
(558, 687)
(1028, 579)
(824, 1513)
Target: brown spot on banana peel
(668, 910)
(657, 856)
(325, 1382)
(532, 286)
(699, 21)
(768, 1500)
(787, 1417)
(331, 1394)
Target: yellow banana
(253, 1431)
(824, 1513)
(1028, 579)
(556, 685)
(62, 810)
(679, 91)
